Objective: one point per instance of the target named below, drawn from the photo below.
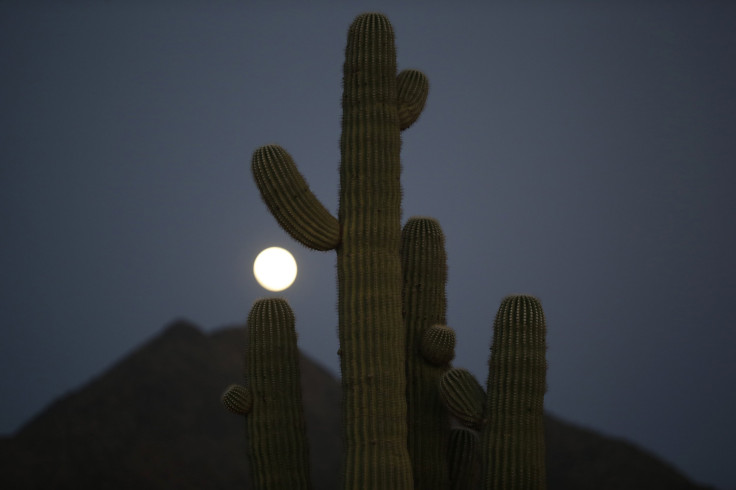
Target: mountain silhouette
(154, 420)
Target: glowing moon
(275, 269)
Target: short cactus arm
(413, 88)
(438, 345)
(290, 200)
(238, 399)
(463, 397)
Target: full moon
(275, 269)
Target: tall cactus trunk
(368, 264)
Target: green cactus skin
(424, 269)
(438, 345)
(238, 399)
(276, 427)
(463, 457)
(290, 200)
(463, 397)
(513, 437)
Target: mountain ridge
(153, 420)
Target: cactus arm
(413, 88)
(463, 397)
(276, 425)
(292, 203)
(513, 437)
(438, 345)
(424, 271)
(463, 452)
(238, 399)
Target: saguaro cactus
(395, 349)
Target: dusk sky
(582, 152)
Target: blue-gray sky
(581, 152)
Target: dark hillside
(154, 421)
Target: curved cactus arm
(413, 88)
(276, 426)
(290, 200)
(513, 437)
(463, 456)
(463, 396)
(424, 272)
